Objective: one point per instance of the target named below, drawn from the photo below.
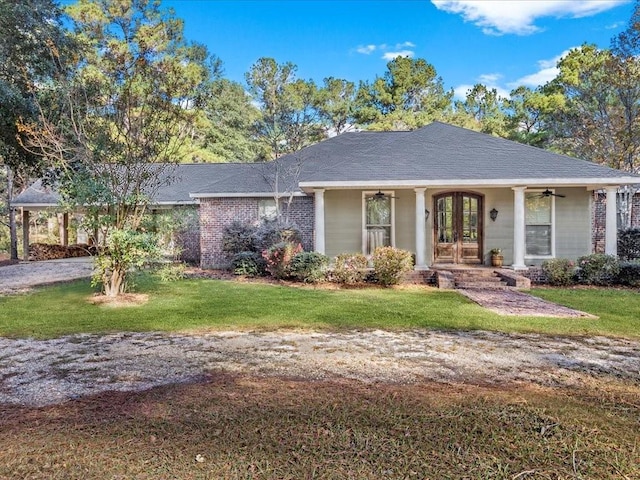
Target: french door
(458, 228)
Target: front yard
(212, 304)
(571, 418)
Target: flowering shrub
(309, 267)
(559, 271)
(349, 268)
(389, 264)
(597, 269)
(279, 257)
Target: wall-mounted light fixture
(493, 214)
(426, 215)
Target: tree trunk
(113, 282)
(13, 234)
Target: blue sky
(496, 42)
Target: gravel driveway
(44, 372)
(38, 373)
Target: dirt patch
(122, 300)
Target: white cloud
(489, 78)
(547, 71)
(388, 52)
(366, 49)
(499, 17)
(402, 53)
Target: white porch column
(319, 220)
(518, 228)
(421, 226)
(611, 222)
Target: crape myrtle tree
(113, 123)
(28, 31)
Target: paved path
(23, 276)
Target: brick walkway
(513, 302)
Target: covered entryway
(458, 228)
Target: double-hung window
(378, 221)
(267, 209)
(539, 216)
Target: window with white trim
(539, 224)
(378, 221)
(267, 209)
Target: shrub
(171, 272)
(278, 258)
(597, 269)
(272, 232)
(309, 267)
(349, 268)
(629, 273)
(559, 271)
(389, 264)
(238, 237)
(629, 244)
(250, 264)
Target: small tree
(112, 124)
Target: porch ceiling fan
(549, 193)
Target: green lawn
(215, 304)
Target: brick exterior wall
(598, 218)
(217, 213)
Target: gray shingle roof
(436, 154)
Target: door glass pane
(445, 219)
(469, 220)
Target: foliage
(250, 264)
(495, 251)
(238, 237)
(229, 117)
(559, 271)
(279, 257)
(629, 273)
(125, 250)
(629, 244)
(349, 268)
(289, 119)
(309, 267)
(597, 269)
(171, 272)
(409, 95)
(113, 121)
(335, 103)
(484, 106)
(271, 232)
(390, 264)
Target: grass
(239, 427)
(214, 304)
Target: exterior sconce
(493, 214)
(426, 215)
